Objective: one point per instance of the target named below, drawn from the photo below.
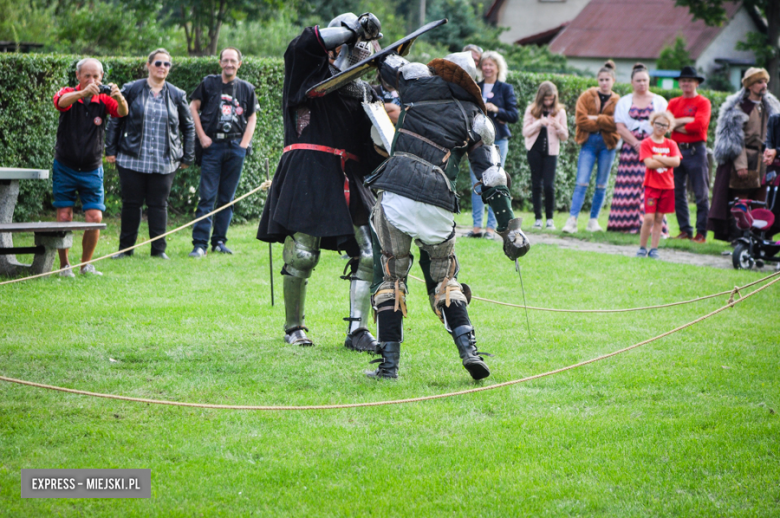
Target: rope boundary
(728, 305)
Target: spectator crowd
(149, 130)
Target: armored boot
(388, 364)
(294, 297)
(361, 267)
(466, 341)
(359, 338)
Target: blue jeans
(477, 205)
(219, 176)
(592, 151)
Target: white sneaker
(67, 272)
(593, 226)
(89, 269)
(537, 224)
(571, 225)
(550, 224)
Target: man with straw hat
(739, 142)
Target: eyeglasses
(166, 64)
(230, 61)
(660, 125)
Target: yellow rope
(397, 401)
(140, 244)
(625, 310)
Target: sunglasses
(166, 64)
(660, 124)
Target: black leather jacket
(126, 134)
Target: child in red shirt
(660, 156)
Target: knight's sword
(270, 249)
(522, 288)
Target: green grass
(685, 426)
(712, 246)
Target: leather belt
(689, 145)
(429, 142)
(342, 153)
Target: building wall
(723, 47)
(528, 17)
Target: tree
(203, 19)
(713, 13)
(674, 57)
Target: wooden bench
(49, 237)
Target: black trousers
(694, 165)
(138, 188)
(542, 176)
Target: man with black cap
(692, 119)
(739, 143)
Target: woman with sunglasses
(156, 138)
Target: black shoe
(466, 341)
(361, 340)
(161, 255)
(221, 248)
(388, 364)
(122, 255)
(471, 233)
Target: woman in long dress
(632, 117)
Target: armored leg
(301, 254)
(362, 271)
(389, 296)
(449, 301)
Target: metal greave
(360, 282)
(301, 254)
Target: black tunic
(307, 194)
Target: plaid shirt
(152, 157)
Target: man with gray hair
(78, 154)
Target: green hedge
(28, 124)
(28, 127)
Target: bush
(28, 127)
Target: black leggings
(542, 173)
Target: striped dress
(628, 199)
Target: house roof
(542, 38)
(634, 29)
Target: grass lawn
(685, 426)
(616, 238)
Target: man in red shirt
(692, 119)
(78, 154)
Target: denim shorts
(68, 182)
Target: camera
(104, 89)
(226, 127)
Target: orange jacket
(590, 104)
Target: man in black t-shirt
(224, 109)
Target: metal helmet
(350, 54)
(465, 61)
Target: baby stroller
(757, 219)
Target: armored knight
(443, 119)
(317, 198)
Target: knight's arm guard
(486, 163)
(332, 37)
(390, 69)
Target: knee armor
(301, 254)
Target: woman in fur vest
(598, 136)
(739, 139)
